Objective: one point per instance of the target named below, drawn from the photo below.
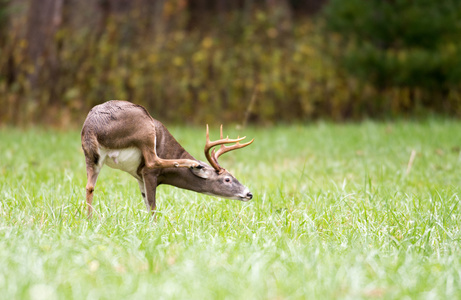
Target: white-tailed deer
(124, 136)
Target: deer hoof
(196, 165)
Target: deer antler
(213, 156)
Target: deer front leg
(142, 188)
(149, 188)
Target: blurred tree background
(260, 61)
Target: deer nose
(249, 195)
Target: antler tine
(227, 140)
(213, 156)
(225, 149)
(208, 146)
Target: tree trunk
(44, 19)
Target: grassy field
(338, 212)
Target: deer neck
(182, 178)
(167, 146)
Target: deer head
(225, 184)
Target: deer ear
(204, 173)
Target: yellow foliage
(178, 61)
(207, 42)
(203, 74)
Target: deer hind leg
(94, 162)
(92, 173)
(152, 161)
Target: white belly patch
(127, 159)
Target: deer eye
(227, 179)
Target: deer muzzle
(246, 196)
